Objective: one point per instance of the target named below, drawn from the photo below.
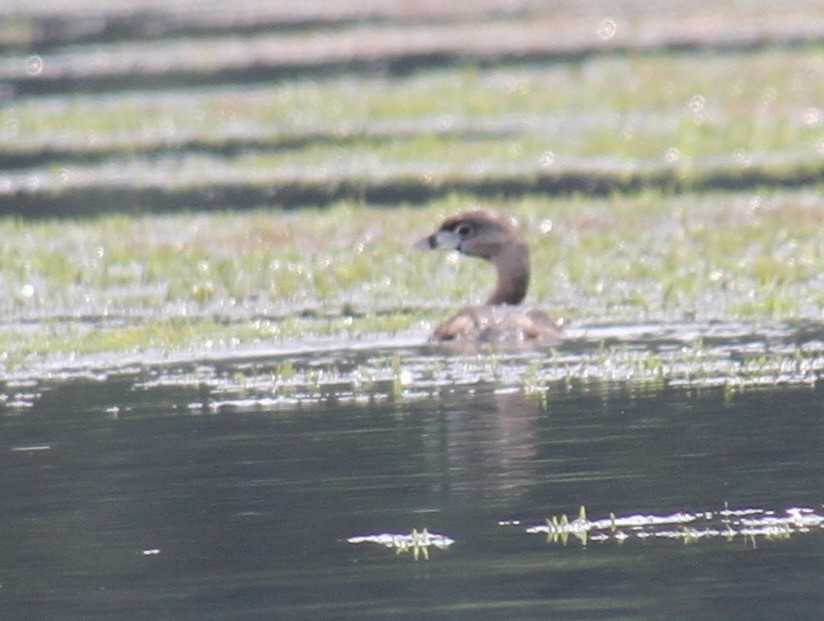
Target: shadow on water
(212, 490)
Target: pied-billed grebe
(492, 237)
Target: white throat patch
(447, 239)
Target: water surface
(217, 490)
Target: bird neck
(512, 265)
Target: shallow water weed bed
(161, 283)
(651, 357)
(603, 122)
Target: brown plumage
(494, 238)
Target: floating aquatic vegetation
(686, 356)
(223, 281)
(735, 361)
(729, 524)
(417, 542)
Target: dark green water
(160, 509)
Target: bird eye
(464, 230)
